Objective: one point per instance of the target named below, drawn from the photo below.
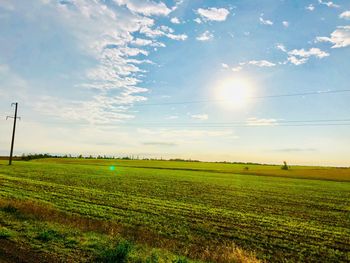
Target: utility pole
(14, 130)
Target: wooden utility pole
(13, 131)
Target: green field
(161, 211)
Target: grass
(206, 212)
(5, 233)
(118, 253)
(48, 235)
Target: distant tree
(285, 166)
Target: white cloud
(297, 61)
(175, 20)
(316, 52)
(310, 7)
(265, 21)
(197, 20)
(261, 122)
(146, 42)
(206, 36)
(281, 47)
(201, 117)
(213, 13)
(345, 15)
(142, 42)
(329, 4)
(301, 56)
(181, 37)
(339, 38)
(178, 3)
(257, 63)
(161, 31)
(224, 65)
(285, 23)
(261, 63)
(237, 69)
(105, 35)
(147, 8)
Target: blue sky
(82, 72)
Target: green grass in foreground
(203, 211)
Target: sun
(234, 93)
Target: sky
(178, 79)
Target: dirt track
(11, 252)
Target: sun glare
(234, 93)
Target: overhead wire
(255, 97)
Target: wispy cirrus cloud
(105, 34)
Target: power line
(256, 97)
(247, 123)
(251, 122)
(251, 125)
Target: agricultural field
(88, 210)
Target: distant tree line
(30, 156)
(244, 163)
(183, 160)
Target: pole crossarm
(11, 117)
